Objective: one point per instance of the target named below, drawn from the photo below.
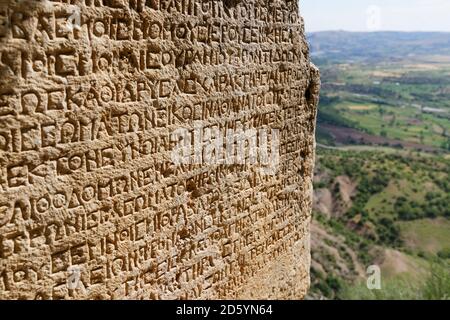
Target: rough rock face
(155, 149)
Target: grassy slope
(426, 235)
(403, 249)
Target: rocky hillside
(387, 208)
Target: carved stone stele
(155, 149)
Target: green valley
(382, 185)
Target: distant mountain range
(361, 46)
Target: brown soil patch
(353, 136)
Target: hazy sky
(373, 15)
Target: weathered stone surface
(97, 198)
